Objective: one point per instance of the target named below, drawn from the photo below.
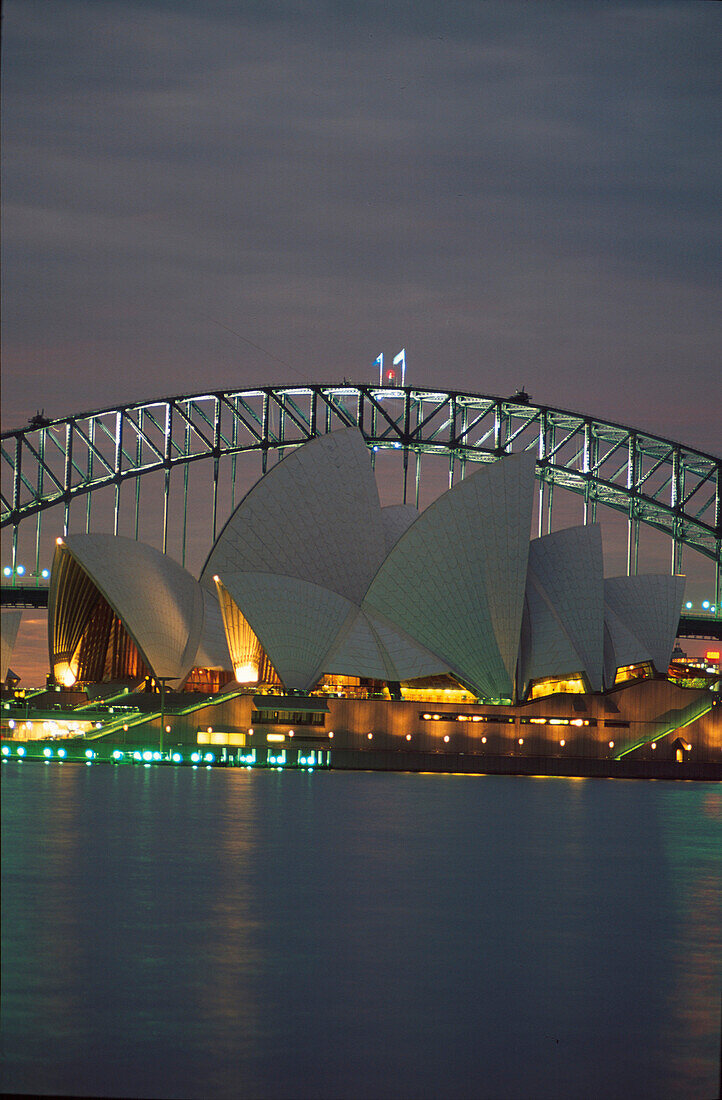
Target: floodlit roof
(648, 608)
(455, 580)
(314, 516)
(317, 578)
(563, 630)
(9, 626)
(159, 602)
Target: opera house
(321, 616)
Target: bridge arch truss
(658, 482)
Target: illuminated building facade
(312, 585)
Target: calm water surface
(263, 934)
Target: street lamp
(162, 681)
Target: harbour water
(194, 933)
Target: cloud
(516, 192)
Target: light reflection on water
(264, 934)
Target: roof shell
(9, 626)
(455, 580)
(564, 614)
(314, 516)
(295, 621)
(371, 646)
(159, 603)
(396, 519)
(213, 647)
(649, 607)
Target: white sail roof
(9, 626)
(564, 616)
(295, 621)
(396, 519)
(315, 516)
(621, 646)
(159, 603)
(371, 646)
(213, 647)
(455, 580)
(649, 607)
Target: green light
(21, 751)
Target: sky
(220, 194)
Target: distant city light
(20, 570)
(688, 604)
(7, 571)
(705, 604)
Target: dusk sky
(519, 194)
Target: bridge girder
(670, 487)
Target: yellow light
(476, 718)
(611, 744)
(427, 716)
(216, 577)
(654, 744)
(408, 736)
(59, 542)
(250, 733)
(521, 740)
(577, 722)
(290, 733)
(125, 729)
(210, 729)
(436, 717)
(538, 721)
(370, 736)
(446, 737)
(331, 733)
(246, 674)
(167, 729)
(562, 742)
(66, 674)
(483, 740)
(275, 737)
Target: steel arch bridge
(669, 487)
